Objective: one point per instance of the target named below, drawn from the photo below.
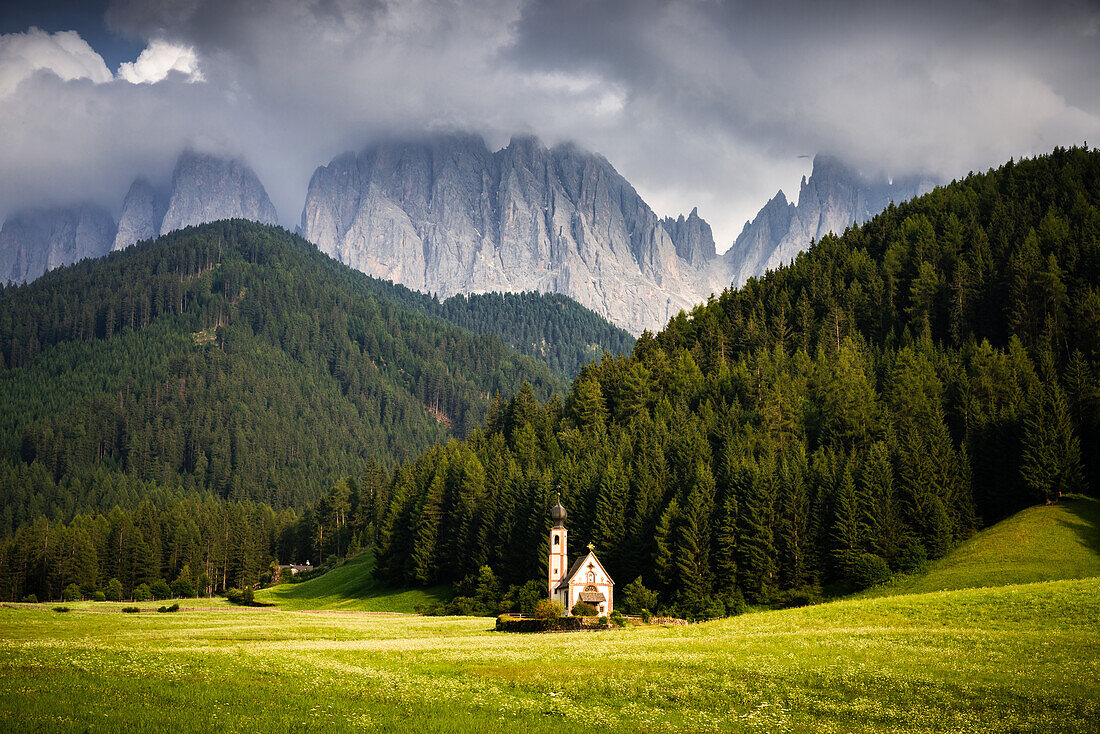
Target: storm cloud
(696, 102)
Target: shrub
(61, 609)
(801, 597)
(160, 589)
(114, 590)
(617, 618)
(99, 596)
(913, 557)
(603, 620)
(710, 607)
(529, 595)
(30, 599)
(507, 623)
(462, 606)
(646, 615)
(701, 608)
(71, 593)
(636, 597)
(583, 609)
(870, 570)
(130, 610)
(547, 609)
(733, 602)
(143, 593)
(182, 588)
(244, 597)
(173, 608)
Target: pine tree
(692, 540)
(663, 540)
(1051, 461)
(756, 556)
(424, 559)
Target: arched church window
(591, 577)
(557, 540)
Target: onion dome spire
(558, 514)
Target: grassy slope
(1016, 658)
(350, 587)
(1043, 543)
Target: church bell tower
(559, 559)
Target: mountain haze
(36, 240)
(444, 215)
(204, 188)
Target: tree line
(867, 407)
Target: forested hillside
(232, 358)
(871, 405)
(867, 408)
(550, 327)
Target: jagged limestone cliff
(446, 215)
(833, 198)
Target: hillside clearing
(1042, 543)
(349, 587)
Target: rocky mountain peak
(34, 241)
(447, 215)
(692, 237)
(143, 212)
(206, 188)
(833, 198)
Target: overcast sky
(697, 102)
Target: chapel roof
(576, 567)
(564, 583)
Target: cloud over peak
(696, 102)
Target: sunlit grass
(1016, 658)
(1043, 543)
(349, 587)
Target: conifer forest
(227, 397)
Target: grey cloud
(696, 102)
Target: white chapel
(586, 580)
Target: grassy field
(349, 587)
(1044, 543)
(1021, 657)
(1016, 658)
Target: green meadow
(1008, 657)
(1014, 658)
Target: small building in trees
(586, 580)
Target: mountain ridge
(443, 214)
(446, 215)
